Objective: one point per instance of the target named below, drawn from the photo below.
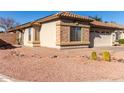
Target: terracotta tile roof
(67, 15)
(116, 25)
(70, 15)
(102, 24)
(55, 16)
(21, 26)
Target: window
(117, 35)
(75, 34)
(29, 34)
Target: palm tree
(96, 18)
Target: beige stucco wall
(48, 34)
(100, 39)
(26, 41)
(121, 34)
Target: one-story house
(105, 34)
(119, 32)
(66, 30)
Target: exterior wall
(101, 37)
(63, 34)
(21, 37)
(8, 38)
(26, 34)
(86, 33)
(48, 34)
(122, 35)
(56, 34)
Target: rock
(87, 57)
(13, 52)
(55, 56)
(113, 58)
(33, 55)
(82, 56)
(120, 60)
(67, 56)
(21, 55)
(17, 55)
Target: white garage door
(100, 39)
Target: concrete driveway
(4, 78)
(111, 48)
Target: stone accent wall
(8, 38)
(65, 34)
(85, 35)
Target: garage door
(100, 39)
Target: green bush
(106, 56)
(93, 56)
(121, 41)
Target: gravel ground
(47, 65)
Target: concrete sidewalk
(4, 78)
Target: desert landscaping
(46, 64)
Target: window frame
(29, 34)
(74, 34)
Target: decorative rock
(55, 56)
(83, 56)
(17, 55)
(67, 56)
(120, 60)
(21, 55)
(32, 55)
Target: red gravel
(44, 64)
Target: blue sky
(26, 16)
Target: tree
(96, 18)
(7, 23)
(113, 22)
(106, 22)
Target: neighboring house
(120, 32)
(66, 30)
(2, 30)
(103, 34)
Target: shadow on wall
(92, 38)
(4, 45)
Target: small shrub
(93, 56)
(106, 56)
(121, 41)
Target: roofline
(106, 26)
(46, 19)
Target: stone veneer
(86, 35)
(63, 34)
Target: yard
(45, 64)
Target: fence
(8, 39)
